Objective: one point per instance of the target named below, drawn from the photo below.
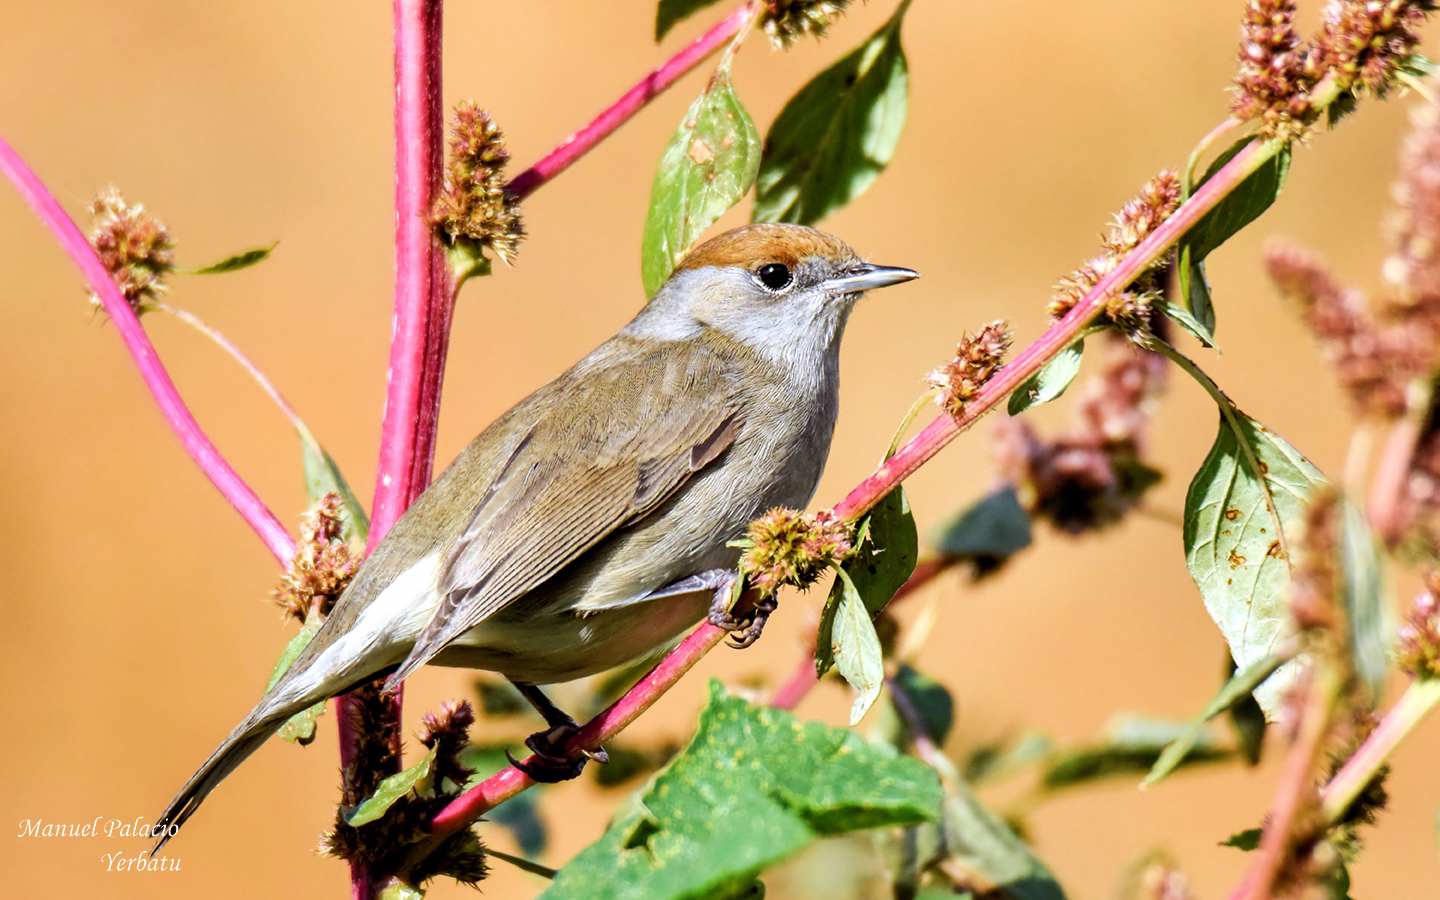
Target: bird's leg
(550, 765)
(745, 629)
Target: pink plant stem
(195, 441)
(1384, 506)
(424, 300)
(472, 804)
(1413, 706)
(631, 102)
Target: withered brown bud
(473, 204)
(786, 21)
(977, 358)
(323, 563)
(786, 546)
(134, 246)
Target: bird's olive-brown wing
(609, 448)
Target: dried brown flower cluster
(786, 546)
(134, 246)
(384, 842)
(323, 563)
(1156, 202)
(1092, 475)
(473, 204)
(1361, 45)
(786, 21)
(1418, 650)
(977, 358)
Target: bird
(594, 521)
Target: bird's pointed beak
(866, 276)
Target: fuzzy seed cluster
(473, 204)
(786, 21)
(1418, 648)
(786, 546)
(323, 563)
(1155, 203)
(134, 246)
(977, 358)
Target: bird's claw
(551, 764)
(745, 630)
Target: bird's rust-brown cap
(752, 246)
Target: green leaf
(709, 165)
(322, 476)
(420, 778)
(856, 647)
(672, 12)
(837, 134)
(981, 843)
(755, 786)
(1247, 720)
(399, 890)
(1240, 515)
(1191, 325)
(989, 532)
(931, 700)
(1049, 382)
(234, 263)
(300, 729)
(1241, 206)
(1001, 759)
(1237, 209)
(1133, 746)
(1362, 589)
(888, 547)
(1246, 840)
(1240, 687)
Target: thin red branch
(1385, 505)
(631, 102)
(231, 486)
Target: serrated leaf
(888, 548)
(672, 12)
(708, 166)
(1246, 840)
(1188, 322)
(300, 729)
(856, 647)
(837, 134)
(1362, 590)
(931, 700)
(322, 476)
(1133, 746)
(995, 527)
(1240, 687)
(234, 263)
(981, 843)
(1232, 548)
(1049, 382)
(754, 787)
(420, 778)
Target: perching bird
(590, 523)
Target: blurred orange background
(137, 624)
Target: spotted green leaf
(1241, 513)
(708, 166)
(755, 786)
(855, 647)
(835, 137)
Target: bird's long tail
(243, 741)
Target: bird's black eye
(774, 275)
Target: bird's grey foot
(552, 762)
(744, 629)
